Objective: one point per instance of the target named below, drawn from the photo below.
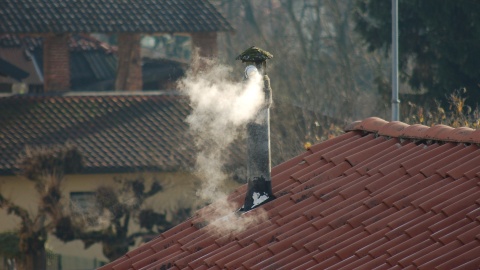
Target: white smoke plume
(221, 108)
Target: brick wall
(206, 43)
(129, 69)
(56, 63)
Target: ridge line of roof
(399, 129)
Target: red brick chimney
(56, 63)
(129, 69)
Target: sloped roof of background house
(115, 131)
(110, 16)
(385, 195)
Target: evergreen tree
(439, 42)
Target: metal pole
(395, 100)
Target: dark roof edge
(99, 94)
(110, 170)
(417, 132)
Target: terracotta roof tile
(299, 261)
(371, 153)
(382, 196)
(273, 260)
(408, 247)
(456, 251)
(467, 260)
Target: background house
(120, 134)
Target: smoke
(221, 108)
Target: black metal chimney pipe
(258, 138)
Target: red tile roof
(385, 195)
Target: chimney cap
(254, 54)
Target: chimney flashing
(259, 192)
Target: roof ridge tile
(416, 132)
(371, 124)
(393, 129)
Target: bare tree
(117, 208)
(46, 167)
(322, 75)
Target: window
(84, 208)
